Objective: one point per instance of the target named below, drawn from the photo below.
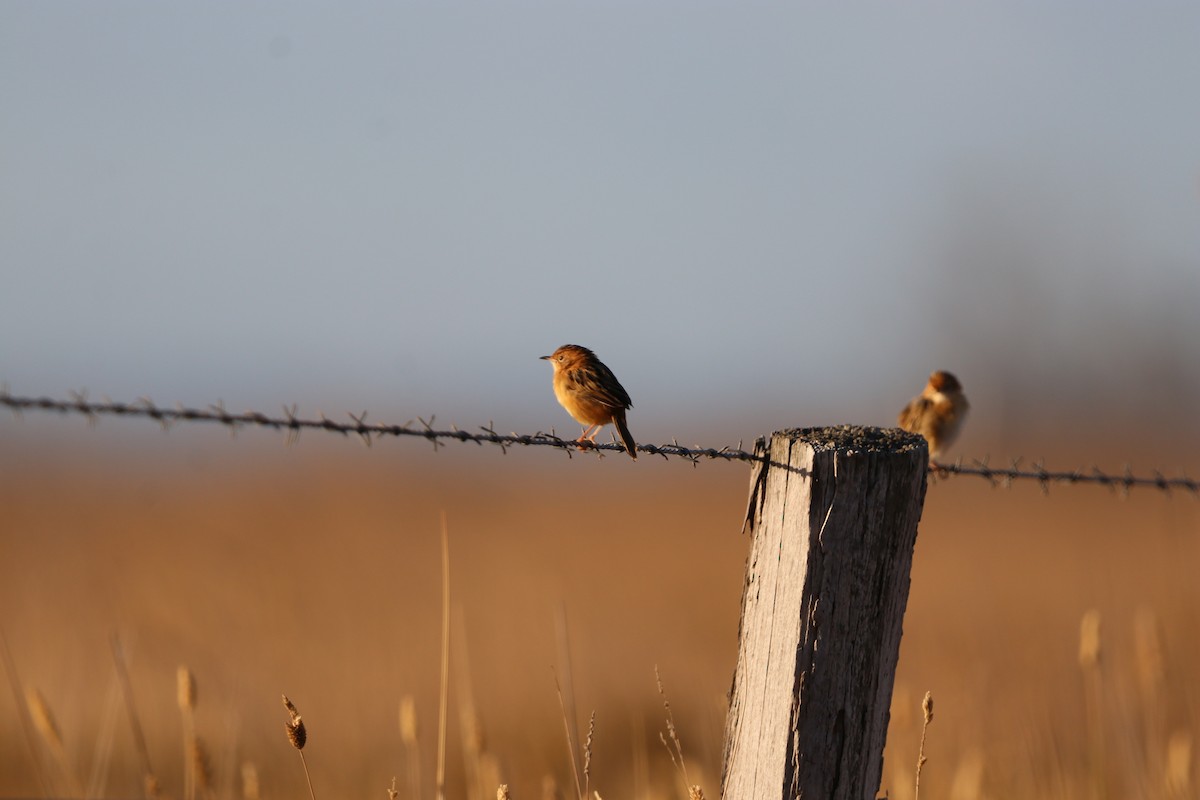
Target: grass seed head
(250, 788)
(185, 688)
(43, 719)
(201, 766)
(1089, 640)
(1179, 764)
(296, 732)
(408, 720)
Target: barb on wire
(292, 424)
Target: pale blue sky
(759, 215)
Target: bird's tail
(626, 436)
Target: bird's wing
(914, 414)
(597, 382)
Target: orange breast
(584, 409)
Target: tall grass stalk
(185, 684)
(1093, 690)
(566, 691)
(1151, 674)
(694, 791)
(47, 727)
(444, 699)
(927, 712)
(410, 737)
(150, 785)
(297, 734)
(14, 683)
(570, 739)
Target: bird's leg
(588, 435)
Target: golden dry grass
(315, 571)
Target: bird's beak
(545, 358)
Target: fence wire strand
(292, 425)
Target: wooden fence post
(833, 519)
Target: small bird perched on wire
(590, 393)
(937, 413)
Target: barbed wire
(292, 425)
(1124, 481)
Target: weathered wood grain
(833, 521)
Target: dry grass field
(315, 571)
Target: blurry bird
(937, 413)
(590, 393)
